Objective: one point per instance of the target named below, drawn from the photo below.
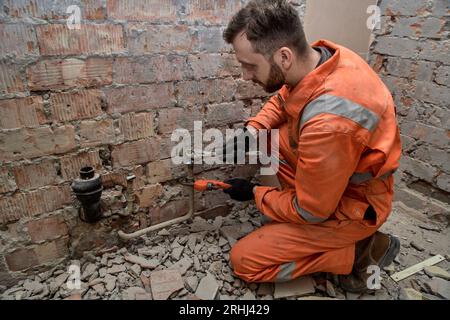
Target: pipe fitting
(88, 190)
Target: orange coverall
(339, 145)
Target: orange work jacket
(344, 140)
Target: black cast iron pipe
(88, 190)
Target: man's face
(256, 67)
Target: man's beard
(276, 79)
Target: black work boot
(379, 249)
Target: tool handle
(203, 185)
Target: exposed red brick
(138, 152)
(36, 175)
(136, 126)
(57, 39)
(10, 78)
(93, 10)
(140, 98)
(147, 196)
(30, 143)
(74, 106)
(111, 179)
(43, 9)
(33, 203)
(214, 12)
(249, 90)
(171, 210)
(171, 119)
(71, 164)
(149, 69)
(51, 251)
(47, 228)
(21, 259)
(69, 73)
(206, 91)
(21, 112)
(142, 10)
(94, 133)
(164, 170)
(7, 182)
(163, 38)
(18, 40)
(214, 65)
(224, 113)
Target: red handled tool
(206, 185)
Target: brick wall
(107, 95)
(411, 52)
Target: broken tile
(207, 288)
(297, 287)
(165, 282)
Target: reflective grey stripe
(305, 214)
(358, 178)
(342, 107)
(278, 160)
(285, 273)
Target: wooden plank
(416, 268)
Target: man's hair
(269, 25)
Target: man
(339, 146)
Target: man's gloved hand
(241, 189)
(240, 143)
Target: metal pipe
(189, 215)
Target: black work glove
(241, 189)
(240, 143)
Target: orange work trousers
(279, 252)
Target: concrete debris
(116, 269)
(183, 265)
(192, 283)
(439, 287)
(417, 246)
(207, 288)
(164, 233)
(434, 271)
(88, 271)
(248, 296)
(164, 283)
(200, 224)
(176, 253)
(297, 287)
(132, 292)
(144, 263)
(330, 289)
(198, 262)
(410, 294)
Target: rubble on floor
(191, 261)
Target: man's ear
(284, 58)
